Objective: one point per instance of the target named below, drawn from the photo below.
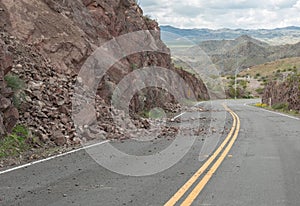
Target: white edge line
(52, 157)
(197, 104)
(70, 152)
(178, 116)
(284, 115)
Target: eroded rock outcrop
(284, 92)
(51, 39)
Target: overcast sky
(216, 14)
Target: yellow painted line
(174, 199)
(197, 190)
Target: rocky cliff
(46, 42)
(287, 92)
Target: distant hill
(244, 52)
(270, 69)
(272, 36)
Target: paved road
(262, 168)
(265, 167)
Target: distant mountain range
(244, 52)
(272, 36)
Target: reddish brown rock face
(285, 92)
(51, 39)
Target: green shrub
(243, 84)
(281, 106)
(17, 85)
(134, 66)
(14, 82)
(260, 90)
(18, 98)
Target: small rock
(44, 138)
(34, 157)
(59, 138)
(60, 103)
(19, 66)
(79, 80)
(77, 140)
(4, 103)
(26, 115)
(41, 104)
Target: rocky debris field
(45, 106)
(43, 45)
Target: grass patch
(281, 106)
(14, 82)
(271, 68)
(260, 90)
(15, 143)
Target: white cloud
(220, 13)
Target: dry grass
(268, 69)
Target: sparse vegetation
(281, 106)
(260, 90)
(261, 105)
(14, 82)
(240, 91)
(15, 143)
(17, 85)
(269, 69)
(134, 66)
(147, 18)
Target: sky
(216, 14)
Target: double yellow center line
(225, 147)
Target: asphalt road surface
(255, 162)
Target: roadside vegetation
(287, 101)
(17, 85)
(252, 82)
(279, 107)
(271, 68)
(19, 141)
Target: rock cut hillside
(286, 92)
(45, 43)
